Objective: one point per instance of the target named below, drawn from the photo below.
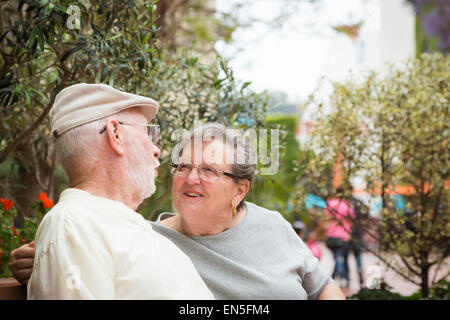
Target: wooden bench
(11, 289)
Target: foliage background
(391, 129)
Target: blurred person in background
(308, 237)
(338, 234)
(355, 244)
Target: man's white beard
(148, 185)
(142, 172)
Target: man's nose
(156, 152)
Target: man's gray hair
(80, 145)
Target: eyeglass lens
(153, 133)
(205, 172)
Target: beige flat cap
(82, 103)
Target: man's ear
(115, 136)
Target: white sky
(290, 58)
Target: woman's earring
(234, 210)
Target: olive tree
(47, 45)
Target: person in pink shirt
(338, 233)
(339, 226)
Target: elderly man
(92, 244)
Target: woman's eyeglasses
(205, 172)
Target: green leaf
(41, 40)
(3, 36)
(33, 36)
(69, 52)
(104, 73)
(27, 98)
(245, 85)
(10, 43)
(218, 83)
(39, 93)
(6, 81)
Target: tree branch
(438, 267)
(406, 263)
(24, 135)
(443, 278)
(8, 62)
(390, 265)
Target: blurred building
(387, 36)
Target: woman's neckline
(217, 235)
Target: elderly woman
(241, 250)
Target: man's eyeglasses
(153, 130)
(205, 172)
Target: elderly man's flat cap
(83, 103)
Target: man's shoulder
(58, 226)
(69, 211)
(72, 218)
(61, 217)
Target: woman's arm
(332, 292)
(21, 262)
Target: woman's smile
(192, 195)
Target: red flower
(7, 204)
(23, 240)
(42, 196)
(14, 230)
(48, 203)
